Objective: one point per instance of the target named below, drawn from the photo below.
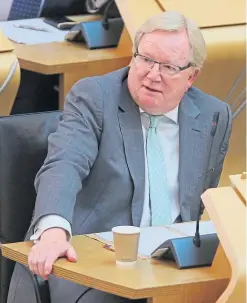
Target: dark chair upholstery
(23, 147)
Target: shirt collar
(173, 114)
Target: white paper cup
(126, 242)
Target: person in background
(36, 91)
(137, 147)
(20, 9)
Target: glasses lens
(168, 69)
(144, 62)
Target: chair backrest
(9, 75)
(23, 148)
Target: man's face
(155, 89)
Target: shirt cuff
(50, 221)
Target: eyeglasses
(165, 69)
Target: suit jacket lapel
(192, 132)
(131, 129)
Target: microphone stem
(105, 22)
(197, 238)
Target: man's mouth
(151, 89)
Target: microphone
(105, 21)
(101, 33)
(197, 237)
(193, 251)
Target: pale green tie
(158, 191)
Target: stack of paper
(36, 31)
(153, 237)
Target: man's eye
(146, 59)
(170, 67)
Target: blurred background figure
(36, 92)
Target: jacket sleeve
(72, 150)
(50, 221)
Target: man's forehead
(165, 43)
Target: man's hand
(52, 245)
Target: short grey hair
(175, 21)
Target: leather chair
(23, 148)
(9, 75)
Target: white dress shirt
(168, 131)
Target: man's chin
(148, 102)
(150, 108)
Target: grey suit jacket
(93, 175)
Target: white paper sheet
(153, 237)
(29, 36)
(150, 238)
(188, 228)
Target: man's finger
(34, 261)
(51, 258)
(71, 254)
(40, 264)
(30, 258)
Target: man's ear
(192, 77)
(194, 74)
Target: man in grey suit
(134, 147)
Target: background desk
(72, 61)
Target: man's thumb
(71, 254)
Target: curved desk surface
(228, 213)
(209, 13)
(239, 184)
(8, 61)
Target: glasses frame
(180, 68)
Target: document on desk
(153, 237)
(150, 238)
(188, 228)
(32, 31)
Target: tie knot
(154, 121)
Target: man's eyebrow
(144, 53)
(147, 54)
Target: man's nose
(154, 73)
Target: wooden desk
(228, 213)
(160, 282)
(239, 184)
(73, 61)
